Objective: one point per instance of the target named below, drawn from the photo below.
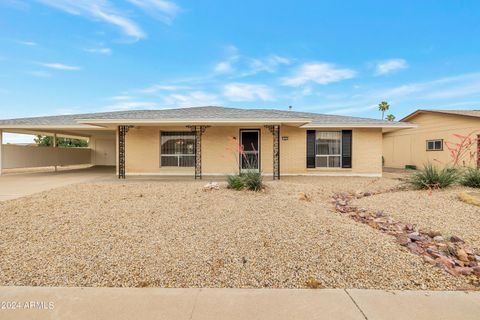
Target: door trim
(259, 148)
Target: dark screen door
(251, 144)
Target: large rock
(438, 239)
(402, 239)
(445, 262)
(462, 255)
(415, 248)
(414, 236)
(456, 239)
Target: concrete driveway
(17, 185)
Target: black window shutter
(311, 148)
(346, 148)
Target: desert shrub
(471, 178)
(252, 180)
(235, 182)
(432, 177)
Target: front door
(250, 159)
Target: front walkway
(225, 304)
(17, 185)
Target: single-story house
(436, 139)
(204, 141)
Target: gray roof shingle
(198, 113)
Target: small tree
(390, 117)
(47, 141)
(383, 106)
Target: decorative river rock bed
(449, 253)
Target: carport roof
(209, 114)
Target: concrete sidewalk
(251, 304)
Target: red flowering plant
(250, 178)
(463, 152)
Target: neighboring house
(196, 141)
(438, 132)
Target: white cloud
(101, 10)
(348, 111)
(162, 87)
(268, 64)
(105, 51)
(60, 66)
(247, 92)
(39, 73)
(164, 10)
(321, 73)
(28, 43)
(131, 105)
(196, 98)
(223, 67)
(122, 97)
(389, 66)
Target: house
(198, 141)
(435, 139)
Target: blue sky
(342, 57)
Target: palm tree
(383, 106)
(390, 117)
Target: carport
(101, 150)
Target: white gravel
(173, 234)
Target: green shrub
(431, 177)
(471, 178)
(235, 182)
(252, 180)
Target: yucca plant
(253, 180)
(235, 182)
(471, 178)
(432, 177)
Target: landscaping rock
(211, 186)
(429, 260)
(444, 261)
(438, 239)
(466, 271)
(414, 236)
(456, 239)
(433, 234)
(462, 255)
(476, 270)
(402, 239)
(415, 248)
(303, 196)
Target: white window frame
(433, 141)
(328, 155)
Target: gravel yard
(173, 234)
(439, 210)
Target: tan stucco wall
(143, 151)
(408, 146)
(16, 156)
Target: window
(435, 145)
(328, 149)
(177, 149)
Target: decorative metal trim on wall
(199, 131)
(122, 132)
(275, 130)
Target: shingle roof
(199, 113)
(467, 113)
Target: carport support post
(1, 150)
(55, 145)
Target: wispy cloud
(269, 64)
(196, 98)
(39, 73)
(28, 43)
(247, 92)
(131, 105)
(105, 51)
(162, 87)
(318, 72)
(163, 10)
(60, 66)
(101, 10)
(389, 66)
(224, 67)
(121, 97)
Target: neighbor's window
(329, 149)
(435, 145)
(177, 149)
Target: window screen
(177, 149)
(328, 149)
(435, 145)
